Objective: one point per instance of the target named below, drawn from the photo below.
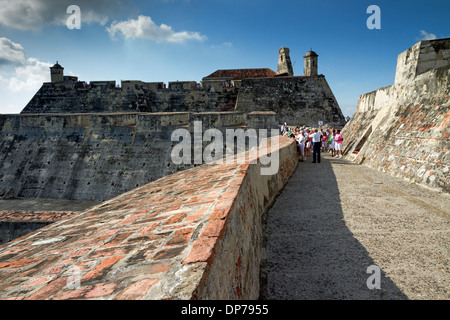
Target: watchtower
(311, 63)
(57, 73)
(284, 63)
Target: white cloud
(427, 36)
(29, 76)
(21, 77)
(11, 53)
(144, 28)
(33, 15)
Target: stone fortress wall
(299, 100)
(131, 96)
(403, 129)
(98, 156)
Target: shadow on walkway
(310, 253)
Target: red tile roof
(239, 74)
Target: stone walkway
(335, 219)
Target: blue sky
(169, 40)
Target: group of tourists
(313, 141)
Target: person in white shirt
(317, 143)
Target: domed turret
(311, 63)
(57, 73)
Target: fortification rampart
(304, 100)
(196, 234)
(99, 156)
(131, 96)
(420, 58)
(403, 129)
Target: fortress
(93, 141)
(303, 100)
(162, 231)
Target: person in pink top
(324, 141)
(339, 139)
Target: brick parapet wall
(195, 234)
